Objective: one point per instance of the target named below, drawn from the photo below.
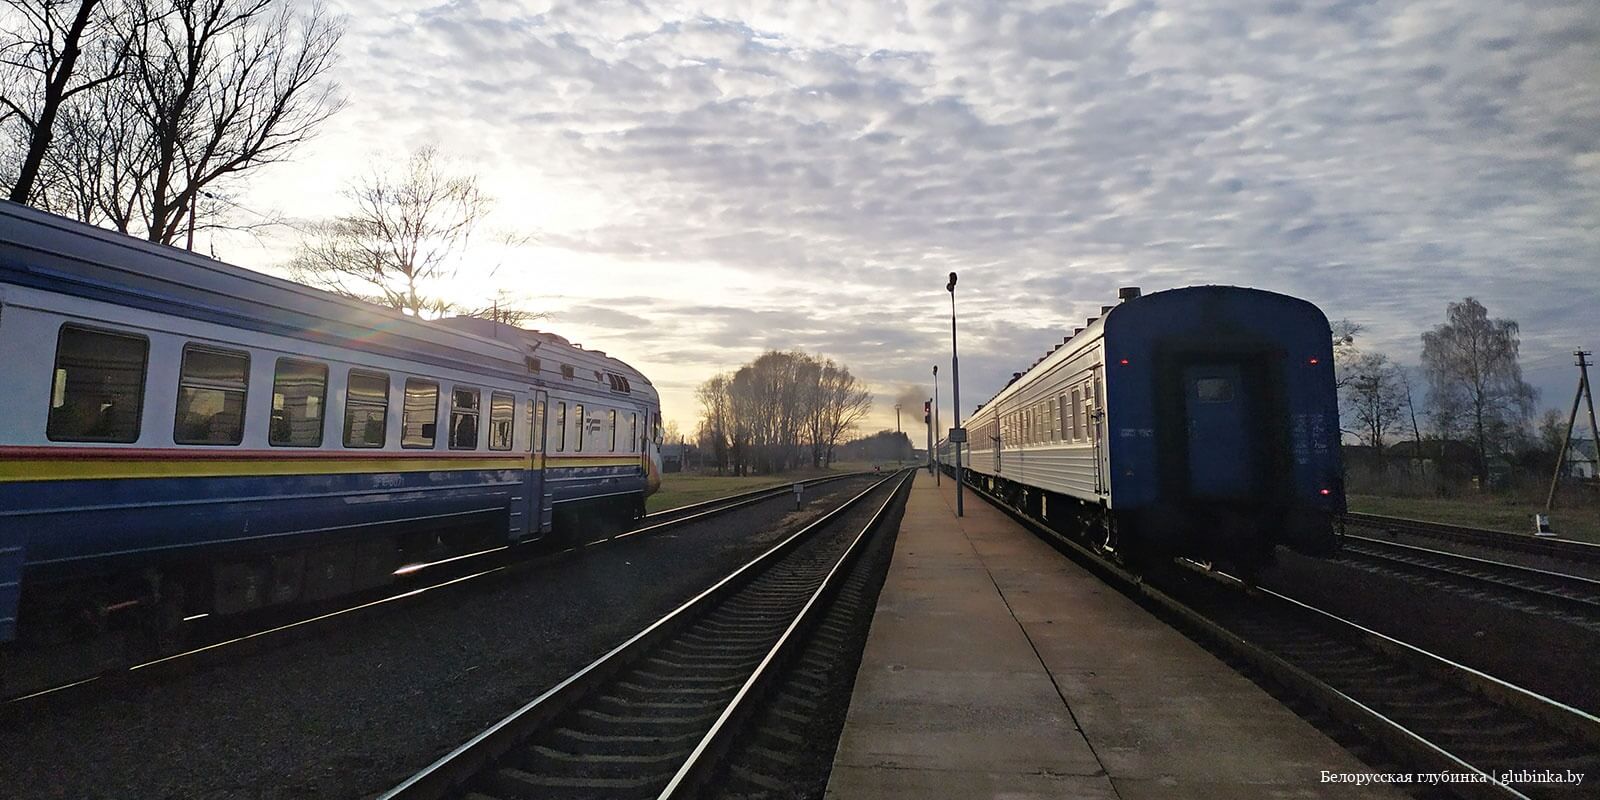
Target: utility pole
(1584, 391)
(937, 480)
(927, 422)
(957, 436)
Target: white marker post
(799, 495)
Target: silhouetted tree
(402, 240)
(1474, 381)
(207, 92)
(1373, 397)
(50, 53)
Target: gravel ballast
(353, 711)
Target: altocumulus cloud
(1377, 158)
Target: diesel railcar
(182, 437)
(1199, 422)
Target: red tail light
(1324, 492)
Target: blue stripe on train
(64, 523)
(65, 529)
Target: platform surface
(998, 668)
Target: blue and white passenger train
(181, 436)
(1199, 422)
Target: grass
(683, 488)
(1494, 513)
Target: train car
(1199, 422)
(181, 437)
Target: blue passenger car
(183, 437)
(1200, 422)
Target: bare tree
(50, 53)
(505, 308)
(1475, 383)
(403, 238)
(716, 421)
(207, 91)
(1373, 398)
(766, 414)
(1404, 374)
(1344, 349)
(845, 403)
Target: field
(1495, 513)
(683, 488)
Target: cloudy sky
(705, 181)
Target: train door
(539, 510)
(1221, 450)
(1095, 421)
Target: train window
(577, 413)
(298, 391)
(612, 420)
(97, 394)
(419, 419)
(464, 419)
(211, 391)
(536, 409)
(1064, 417)
(1213, 390)
(561, 427)
(1077, 415)
(502, 409)
(366, 409)
(633, 434)
(1050, 419)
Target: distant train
(182, 437)
(1199, 422)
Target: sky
(696, 183)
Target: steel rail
(1391, 733)
(464, 569)
(453, 770)
(1572, 593)
(1505, 540)
(764, 492)
(703, 761)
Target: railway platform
(995, 667)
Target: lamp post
(937, 480)
(897, 435)
(955, 390)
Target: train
(1196, 423)
(181, 437)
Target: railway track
(657, 715)
(1433, 716)
(214, 641)
(1564, 549)
(1574, 598)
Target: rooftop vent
(1127, 293)
(1076, 331)
(1104, 310)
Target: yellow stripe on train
(22, 470)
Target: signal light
(1324, 492)
(1123, 362)
(1313, 361)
